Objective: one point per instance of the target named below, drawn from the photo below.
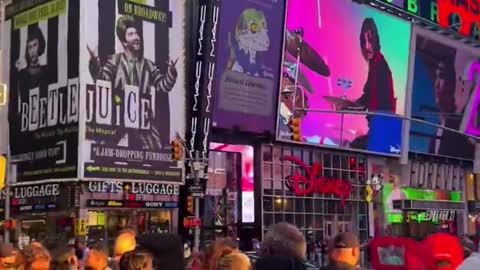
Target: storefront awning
(428, 205)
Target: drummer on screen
(378, 93)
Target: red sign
(189, 222)
(466, 13)
(312, 181)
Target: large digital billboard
(442, 89)
(357, 64)
(248, 60)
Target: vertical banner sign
(205, 63)
(133, 97)
(41, 63)
(249, 56)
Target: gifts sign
(311, 181)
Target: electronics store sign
(133, 188)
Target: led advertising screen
(441, 93)
(357, 65)
(248, 62)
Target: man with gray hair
(284, 247)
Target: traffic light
(3, 171)
(295, 127)
(3, 94)
(177, 150)
(10, 224)
(190, 209)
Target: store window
(321, 215)
(105, 225)
(221, 203)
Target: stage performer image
(378, 91)
(131, 68)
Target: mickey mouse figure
(374, 186)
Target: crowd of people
(284, 247)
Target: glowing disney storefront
(333, 200)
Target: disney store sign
(308, 180)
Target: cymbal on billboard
(302, 78)
(296, 46)
(343, 103)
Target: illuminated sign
(133, 188)
(311, 181)
(37, 191)
(34, 207)
(131, 204)
(461, 16)
(431, 215)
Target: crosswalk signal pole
(197, 168)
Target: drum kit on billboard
(295, 83)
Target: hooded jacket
(279, 263)
(167, 250)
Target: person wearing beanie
(442, 252)
(234, 261)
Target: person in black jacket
(284, 248)
(166, 249)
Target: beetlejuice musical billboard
(133, 85)
(40, 67)
(357, 64)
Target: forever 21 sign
(424, 174)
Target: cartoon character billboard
(333, 66)
(248, 64)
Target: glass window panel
(300, 221)
(288, 204)
(279, 218)
(267, 204)
(289, 218)
(309, 205)
(267, 219)
(299, 205)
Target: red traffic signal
(10, 224)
